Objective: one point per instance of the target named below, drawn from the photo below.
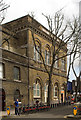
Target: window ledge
(63, 70)
(17, 80)
(36, 96)
(56, 67)
(55, 97)
(4, 79)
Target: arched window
(56, 62)
(36, 53)
(36, 90)
(56, 90)
(47, 56)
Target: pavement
(4, 113)
(73, 116)
(52, 113)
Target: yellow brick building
(24, 75)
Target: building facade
(23, 74)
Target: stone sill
(17, 80)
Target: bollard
(75, 110)
(8, 110)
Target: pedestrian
(17, 107)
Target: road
(58, 113)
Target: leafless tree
(63, 34)
(3, 8)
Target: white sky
(19, 8)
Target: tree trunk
(49, 91)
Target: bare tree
(61, 34)
(3, 7)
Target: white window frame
(56, 62)
(55, 96)
(36, 54)
(47, 57)
(36, 89)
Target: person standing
(17, 107)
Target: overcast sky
(19, 8)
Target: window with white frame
(36, 90)
(62, 64)
(56, 90)
(36, 54)
(56, 62)
(47, 57)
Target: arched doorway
(17, 95)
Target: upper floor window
(47, 57)
(62, 64)
(2, 70)
(36, 53)
(36, 90)
(16, 73)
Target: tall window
(46, 92)
(16, 73)
(2, 70)
(56, 90)
(56, 62)
(62, 64)
(36, 54)
(36, 90)
(47, 57)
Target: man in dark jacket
(16, 107)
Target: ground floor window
(36, 90)
(56, 90)
(46, 92)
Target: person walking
(17, 107)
